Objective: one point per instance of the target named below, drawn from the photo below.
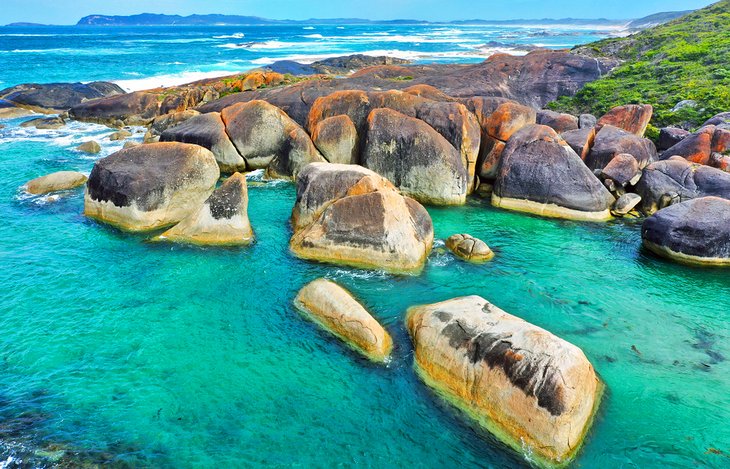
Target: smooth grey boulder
(694, 232)
(587, 121)
(670, 136)
(150, 186)
(208, 130)
(676, 179)
(558, 121)
(611, 141)
(415, 158)
(580, 140)
(539, 173)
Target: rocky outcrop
(611, 141)
(58, 181)
(676, 179)
(469, 248)
(267, 138)
(531, 389)
(336, 138)
(692, 232)
(335, 65)
(559, 122)
(208, 130)
(170, 120)
(699, 146)
(416, 158)
(57, 97)
(347, 214)
(581, 140)
(138, 108)
(633, 118)
(539, 173)
(45, 123)
(150, 186)
(334, 309)
(222, 220)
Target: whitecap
(174, 79)
(308, 27)
(314, 36)
(231, 36)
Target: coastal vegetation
(687, 59)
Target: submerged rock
(221, 220)
(90, 147)
(207, 130)
(150, 186)
(677, 178)
(58, 181)
(541, 174)
(692, 232)
(417, 159)
(346, 214)
(120, 135)
(333, 308)
(469, 248)
(531, 389)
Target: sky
(70, 11)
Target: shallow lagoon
(165, 355)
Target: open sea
(118, 351)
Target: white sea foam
(308, 27)
(174, 79)
(314, 36)
(231, 36)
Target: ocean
(119, 351)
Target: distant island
(152, 19)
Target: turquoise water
(171, 356)
(147, 57)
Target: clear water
(190, 357)
(147, 57)
(170, 356)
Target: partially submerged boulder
(208, 130)
(120, 135)
(693, 232)
(150, 186)
(90, 147)
(611, 141)
(334, 309)
(57, 96)
(539, 173)
(336, 138)
(222, 219)
(469, 248)
(633, 118)
(415, 158)
(58, 181)
(531, 389)
(677, 178)
(45, 123)
(267, 138)
(347, 214)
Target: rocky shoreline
(367, 153)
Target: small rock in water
(90, 147)
(625, 204)
(469, 248)
(120, 135)
(58, 181)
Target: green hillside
(686, 59)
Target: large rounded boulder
(336, 138)
(693, 232)
(416, 158)
(208, 130)
(676, 179)
(334, 308)
(150, 186)
(222, 220)
(531, 389)
(540, 173)
(347, 214)
(611, 141)
(267, 138)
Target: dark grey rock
(611, 141)
(670, 136)
(58, 96)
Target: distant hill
(150, 19)
(656, 19)
(685, 59)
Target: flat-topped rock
(222, 219)
(531, 389)
(334, 309)
(207, 130)
(58, 96)
(346, 214)
(150, 186)
(539, 173)
(58, 181)
(693, 232)
(469, 248)
(415, 158)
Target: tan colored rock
(346, 214)
(150, 186)
(222, 220)
(531, 389)
(58, 181)
(120, 135)
(337, 140)
(334, 309)
(469, 248)
(90, 147)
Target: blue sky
(69, 11)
